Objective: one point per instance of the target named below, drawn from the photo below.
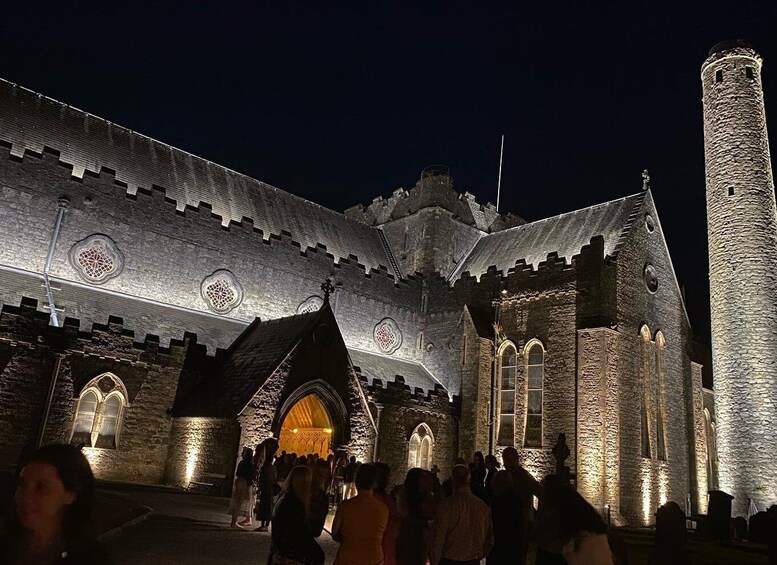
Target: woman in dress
(240, 505)
(52, 522)
(292, 542)
(417, 505)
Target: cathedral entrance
(307, 428)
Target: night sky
(340, 102)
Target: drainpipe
(379, 408)
(50, 398)
(492, 407)
(62, 205)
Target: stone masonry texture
(742, 236)
(403, 257)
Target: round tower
(742, 235)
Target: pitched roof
(31, 121)
(387, 369)
(483, 320)
(251, 359)
(565, 234)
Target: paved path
(187, 528)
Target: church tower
(742, 238)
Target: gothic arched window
(99, 412)
(506, 400)
(660, 412)
(645, 391)
(535, 369)
(420, 448)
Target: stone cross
(328, 289)
(561, 453)
(645, 179)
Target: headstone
(670, 534)
(718, 522)
(740, 528)
(759, 529)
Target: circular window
(651, 277)
(650, 223)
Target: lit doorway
(307, 428)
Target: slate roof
(375, 366)
(92, 305)
(251, 359)
(483, 320)
(565, 234)
(31, 121)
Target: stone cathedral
(165, 311)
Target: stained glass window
(535, 368)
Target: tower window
(749, 72)
(731, 191)
(718, 76)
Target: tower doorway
(307, 428)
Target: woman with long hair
(240, 504)
(52, 518)
(292, 542)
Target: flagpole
(499, 182)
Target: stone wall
(148, 373)
(202, 445)
(401, 413)
(598, 423)
(742, 244)
(648, 481)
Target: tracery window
(96, 259)
(221, 291)
(645, 391)
(420, 448)
(310, 304)
(99, 412)
(387, 336)
(660, 412)
(507, 368)
(535, 369)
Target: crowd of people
(480, 512)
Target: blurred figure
(392, 528)
(292, 541)
(462, 533)
(319, 499)
(545, 531)
(240, 505)
(527, 488)
(447, 484)
(267, 487)
(506, 516)
(478, 472)
(360, 522)
(52, 522)
(349, 474)
(492, 466)
(582, 531)
(416, 506)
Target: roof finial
(645, 179)
(328, 289)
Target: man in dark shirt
(319, 499)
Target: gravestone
(718, 522)
(760, 529)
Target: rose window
(387, 336)
(221, 291)
(310, 304)
(96, 259)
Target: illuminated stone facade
(219, 277)
(742, 231)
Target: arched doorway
(307, 428)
